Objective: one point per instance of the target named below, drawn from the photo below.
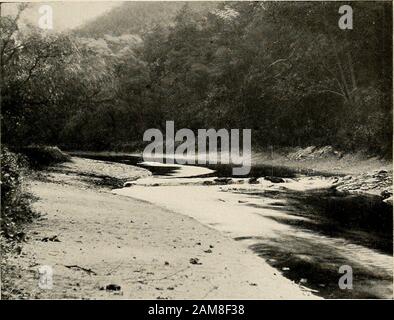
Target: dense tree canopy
(284, 69)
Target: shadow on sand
(333, 229)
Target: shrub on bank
(39, 156)
(15, 202)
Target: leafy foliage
(283, 69)
(15, 204)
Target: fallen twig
(90, 271)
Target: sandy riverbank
(100, 238)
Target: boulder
(389, 200)
(253, 180)
(387, 193)
(128, 184)
(111, 287)
(223, 180)
(274, 179)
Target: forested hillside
(284, 69)
(139, 17)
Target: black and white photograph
(196, 150)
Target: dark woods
(285, 70)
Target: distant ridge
(138, 17)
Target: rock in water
(387, 193)
(253, 180)
(223, 180)
(128, 184)
(274, 179)
(389, 200)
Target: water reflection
(330, 229)
(314, 264)
(363, 219)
